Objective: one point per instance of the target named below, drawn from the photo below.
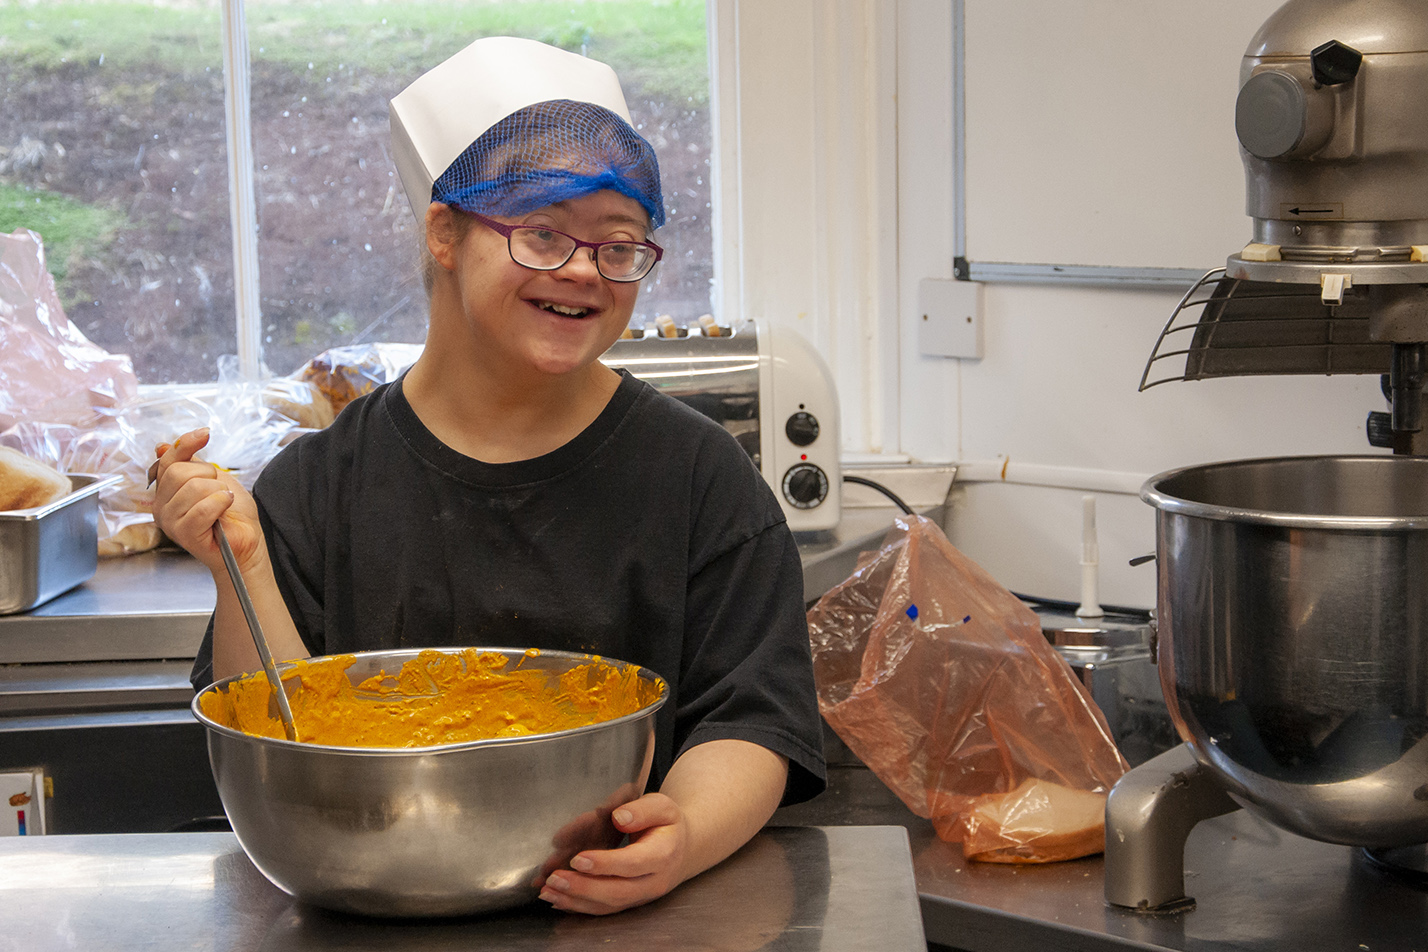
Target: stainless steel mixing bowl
(430, 831)
(1293, 637)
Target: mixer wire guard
(1256, 328)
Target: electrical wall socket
(950, 318)
(22, 803)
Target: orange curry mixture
(436, 698)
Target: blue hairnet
(550, 152)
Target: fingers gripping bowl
(441, 830)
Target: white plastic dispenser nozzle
(1090, 606)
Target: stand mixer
(1292, 605)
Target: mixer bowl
(1293, 637)
(429, 831)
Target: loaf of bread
(1038, 822)
(26, 483)
(131, 539)
(343, 374)
(301, 401)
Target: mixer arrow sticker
(1317, 209)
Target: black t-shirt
(650, 538)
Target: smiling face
(516, 320)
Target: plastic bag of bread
(51, 371)
(27, 483)
(343, 374)
(250, 421)
(942, 683)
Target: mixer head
(1333, 133)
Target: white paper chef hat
(438, 117)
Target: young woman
(511, 490)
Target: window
(113, 146)
(112, 149)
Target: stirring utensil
(275, 683)
(261, 643)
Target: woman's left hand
(600, 882)
(715, 798)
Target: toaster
(764, 384)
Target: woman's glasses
(545, 249)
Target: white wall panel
(1101, 132)
(1058, 386)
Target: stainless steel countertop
(834, 889)
(1257, 889)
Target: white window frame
(833, 199)
(242, 189)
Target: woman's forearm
(727, 790)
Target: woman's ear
(443, 234)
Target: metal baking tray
(48, 550)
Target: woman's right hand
(191, 495)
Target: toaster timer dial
(801, 428)
(805, 485)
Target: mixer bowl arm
(1149, 815)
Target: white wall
(837, 170)
(1055, 399)
(1100, 132)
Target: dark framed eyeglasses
(545, 249)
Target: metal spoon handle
(261, 643)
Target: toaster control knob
(805, 485)
(801, 428)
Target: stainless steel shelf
(150, 606)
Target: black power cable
(861, 481)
